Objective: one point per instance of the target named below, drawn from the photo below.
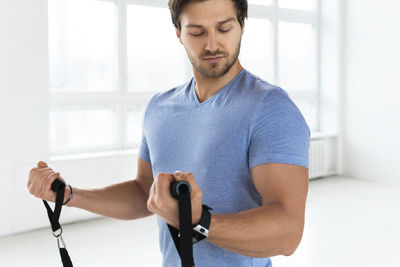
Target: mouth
(213, 59)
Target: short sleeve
(144, 151)
(278, 132)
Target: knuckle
(160, 182)
(162, 175)
(47, 175)
(54, 175)
(47, 183)
(150, 205)
(159, 203)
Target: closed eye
(199, 34)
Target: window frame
(121, 100)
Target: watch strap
(200, 231)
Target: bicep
(285, 184)
(144, 175)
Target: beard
(218, 69)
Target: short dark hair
(176, 6)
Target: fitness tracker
(200, 231)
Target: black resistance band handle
(180, 188)
(183, 238)
(58, 187)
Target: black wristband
(70, 195)
(200, 231)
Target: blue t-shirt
(247, 123)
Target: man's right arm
(126, 200)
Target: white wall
(371, 144)
(24, 123)
(23, 93)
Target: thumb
(42, 164)
(178, 174)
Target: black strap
(183, 238)
(59, 187)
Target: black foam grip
(180, 188)
(55, 186)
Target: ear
(178, 34)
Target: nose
(212, 43)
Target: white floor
(349, 223)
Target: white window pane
(74, 130)
(260, 2)
(156, 59)
(256, 48)
(297, 56)
(134, 129)
(82, 45)
(307, 5)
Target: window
(146, 55)
(280, 45)
(105, 66)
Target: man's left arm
(276, 228)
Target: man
(239, 141)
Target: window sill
(97, 154)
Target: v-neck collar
(221, 91)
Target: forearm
(125, 200)
(261, 232)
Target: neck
(207, 87)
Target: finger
(184, 176)
(45, 172)
(189, 177)
(48, 177)
(178, 175)
(43, 180)
(152, 189)
(162, 190)
(49, 181)
(62, 180)
(30, 177)
(163, 185)
(40, 171)
(33, 170)
(41, 164)
(165, 179)
(31, 174)
(33, 188)
(150, 200)
(37, 184)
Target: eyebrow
(218, 24)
